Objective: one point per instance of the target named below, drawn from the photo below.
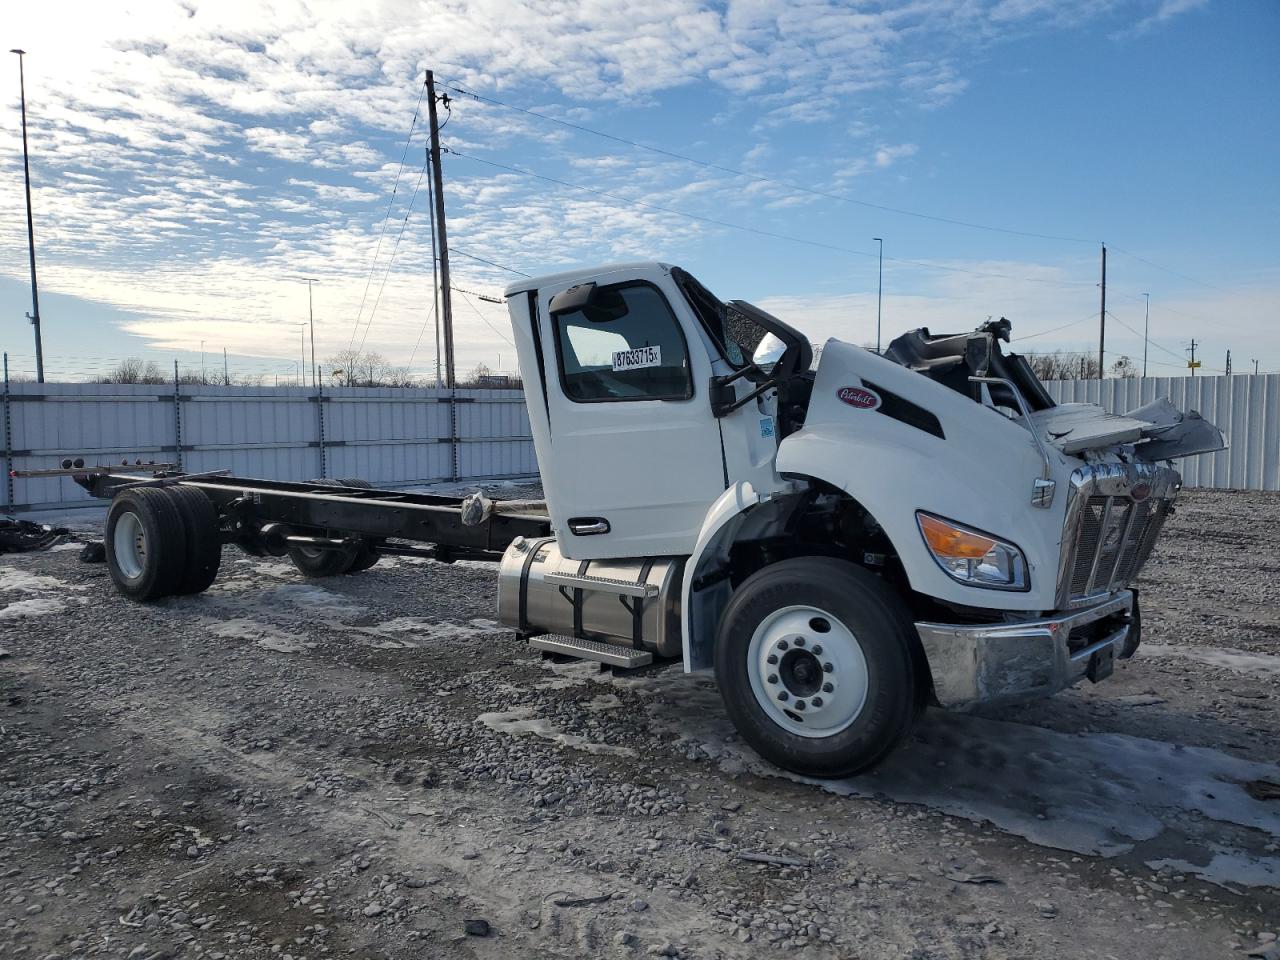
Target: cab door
(636, 457)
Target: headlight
(971, 557)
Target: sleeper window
(627, 345)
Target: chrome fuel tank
(630, 602)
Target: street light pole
(879, 290)
(311, 317)
(1146, 334)
(34, 315)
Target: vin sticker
(859, 398)
(637, 358)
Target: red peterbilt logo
(859, 397)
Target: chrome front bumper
(990, 663)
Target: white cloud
(188, 156)
(887, 155)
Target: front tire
(814, 663)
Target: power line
(500, 266)
(392, 259)
(387, 216)
(1173, 273)
(1042, 333)
(467, 298)
(758, 231)
(733, 171)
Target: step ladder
(607, 653)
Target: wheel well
(820, 521)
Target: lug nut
(817, 701)
(773, 658)
(817, 649)
(773, 678)
(799, 704)
(783, 696)
(799, 641)
(828, 667)
(827, 687)
(782, 644)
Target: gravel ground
(369, 766)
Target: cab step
(624, 588)
(612, 654)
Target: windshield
(735, 333)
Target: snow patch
(19, 581)
(1232, 867)
(522, 721)
(1240, 661)
(265, 636)
(388, 635)
(1096, 794)
(36, 607)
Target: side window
(627, 345)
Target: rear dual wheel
(161, 541)
(315, 562)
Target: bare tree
(134, 370)
(1061, 365)
(1125, 369)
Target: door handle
(588, 526)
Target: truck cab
(843, 544)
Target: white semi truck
(841, 545)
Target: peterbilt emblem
(859, 397)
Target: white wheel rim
(810, 681)
(130, 543)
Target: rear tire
(365, 556)
(146, 542)
(314, 562)
(204, 544)
(815, 666)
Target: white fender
(700, 613)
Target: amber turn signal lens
(948, 541)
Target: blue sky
(190, 158)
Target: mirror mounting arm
(723, 400)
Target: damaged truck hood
(1158, 430)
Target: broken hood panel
(1158, 430)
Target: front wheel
(814, 663)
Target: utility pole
(1228, 363)
(202, 379)
(34, 315)
(1255, 368)
(1192, 364)
(1102, 320)
(226, 377)
(879, 290)
(1146, 335)
(437, 179)
(435, 289)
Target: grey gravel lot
(369, 766)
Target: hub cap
(807, 671)
(130, 543)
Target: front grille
(1111, 535)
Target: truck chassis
(325, 526)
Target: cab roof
(596, 273)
